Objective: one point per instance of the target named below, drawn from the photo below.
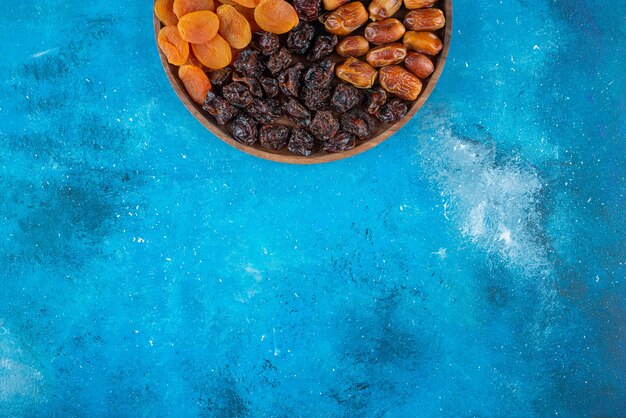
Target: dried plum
(265, 111)
(267, 43)
(323, 47)
(358, 122)
(244, 129)
(279, 61)
(237, 94)
(392, 111)
(297, 112)
(274, 136)
(320, 74)
(300, 38)
(374, 99)
(253, 84)
(315, 98)
(343, 141)
(249, 63)
(219, 108)
(301, 142)
(345, 98)
(221, 77)
(270, 87)
(308, 10)
(324, 125)
(289, 80)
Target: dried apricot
(276, 16)
(233, 27)
(183, 7)
(175, 48)
(248, 13)
(247, 3)
(214, 54)
(163, 9)
(196, 82)
(198, 27)
(401, 82)
(192, 60)
(425, 42)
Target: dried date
(274, 136)
(358, 122)
(300, 38)
(345, 98)
(324, 125)
(244, 129)
(301, 142)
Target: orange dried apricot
(192, 60)
(163, 9)
(214, 54)
(248, 13)
(196, 82)
(198, 27)
(276, 16)
(233, 26)
(183, 7)
(247, 3)
(175, 48)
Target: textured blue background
(472, 265)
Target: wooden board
(382, 133)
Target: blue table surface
(471, 265)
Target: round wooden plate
(382, 132)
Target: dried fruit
(341, 142)
(418, 4)
(359, 123)
(320, 74)
(301, 142)
(419, 64)
(424, 42)
(163, 9)
(386, 55)
(374, 99)
(248, 13)
(214, 54)
(425, 20)
(274, 136)
(267, 43)
(308, 10)
(183, 7)
(345, 98)
(401, 82)
(253, 84)
(315, 98)
(384, 31)
(297, 112)
(392, 111)
(300, 38)
(345, 19)
(221, 77)
(265, 111)
(383, 9)
(353, 46)
(237, 94)
(270, 87)
(195, 81)
(175, 48)
(333, 4)
(323, 47)
(276, 16)
(244, 129)
(324, 125)
(198, 27)
(279, 61)
(192, 60)
(249, 63)
(357, 73)
(233, 27)
(246, 3)
(289, 80)
(219, 108)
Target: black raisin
(301, 142)
(279, 61)
(253, 84)
(265, 111)
(315, 98)
(345, 98)
(308, 10)
(358, 122)
(297, 112)
(219, 108)
(274, 136)
(244, 129)
(392, 111)
(270, 87)
(323, 47)
(324, 125)
(289, 80)
(374, 99)
(343, 141)
(249, 63)
(320, 74)
(267, 43)
(300, 38)
(221, 77)
(237, 94)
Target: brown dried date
(383, 9)
(418, 4)
(424, 42)
(315, 98)
(320, 74)
(392, 111)
(345, 19)
(353, 46)
(384, 31)
(345, 98)
(237, 94)
(274, 136)
(357, 73)
(270, 87)
(308, 10)
(297, 112)
(265, 111)
(324, 125)
(374, 99)
(279, 61)
(399, 81)
(323, 47)
(333, 4)
(386, 55)
(300, 38)
(358, 122)
(267, 43)
(301, 142)
(343, 141)
(219, 108)
(419, 64)
(425, 20)
(249, 63)
(244, 129)
(289, 80)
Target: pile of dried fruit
(288, 91)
